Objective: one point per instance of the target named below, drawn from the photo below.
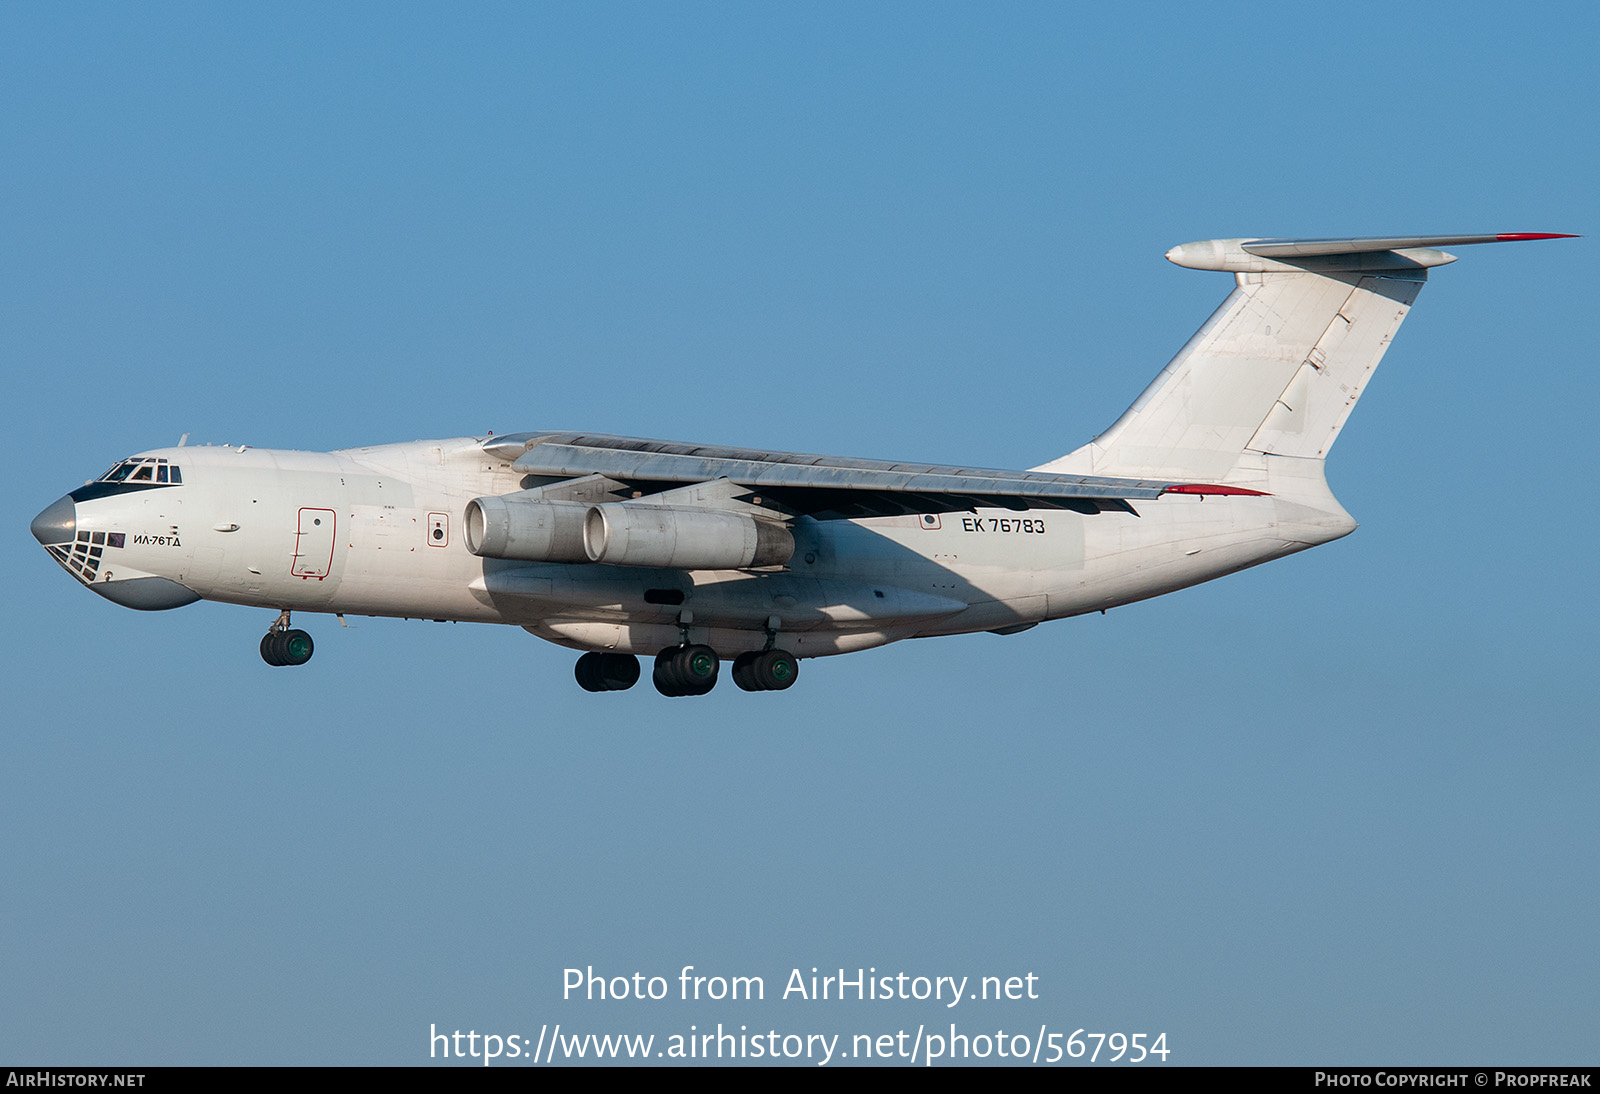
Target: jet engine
(527, 529)
(682, 538)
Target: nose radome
(57, 524)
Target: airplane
(622, 547)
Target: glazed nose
(57, 524)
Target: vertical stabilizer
(1279, 366)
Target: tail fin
(1279, 366)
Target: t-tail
(1258, 396)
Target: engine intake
(682, 538)
(526, 529)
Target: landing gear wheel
(697, 665)
(587, 671)
(665, 676)
(285, 649)
(607, 671)
(770, 670)
(619, 671)
(297, 647)
(775, 670)
(686, 670)
(741, 672)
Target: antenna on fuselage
(183, 440)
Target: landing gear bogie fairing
(701, 556)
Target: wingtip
(1515, 237)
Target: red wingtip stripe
(1513, 237)
(1203, 488)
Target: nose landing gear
(283, 648)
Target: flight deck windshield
(149, 469)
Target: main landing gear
(607, 671)
(282, 647)
(687, 670)
(769, 670)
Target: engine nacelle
(683, 538)
(527, 529)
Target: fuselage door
(313, 545)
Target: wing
(826, 487)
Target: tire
(587, 672)
(775, 670)
(685, 670)
(269, 650)
(665, 676)
(697, 667)
(617, 671)
(744, 672)
(295, 647)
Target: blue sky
(1338, 809)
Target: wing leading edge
(822, 486)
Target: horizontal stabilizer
(1365, 253)
(1298, 248)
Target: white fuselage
(378, 531)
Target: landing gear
(769, 670)
(282, 647)
(686, 670)
(692, 670)
(607, 671)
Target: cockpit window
(150, 469)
